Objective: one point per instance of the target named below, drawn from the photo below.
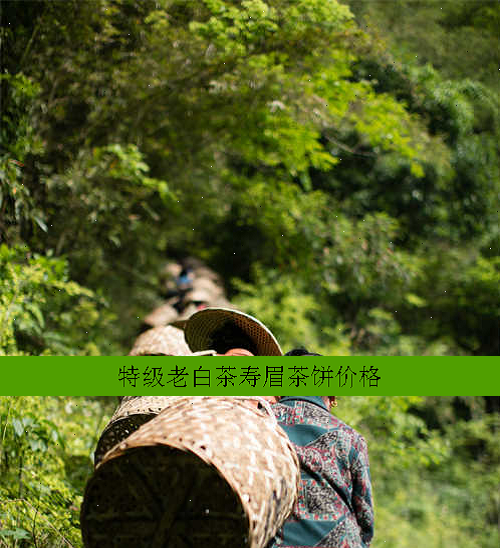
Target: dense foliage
(434, 465)
(337, 163)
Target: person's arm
(362, 490)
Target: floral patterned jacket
(334, 509)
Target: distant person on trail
(334, 508)
(185, 279)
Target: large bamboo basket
(132, 413)
(162, 340)
(208, 472)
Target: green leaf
(415, 300)
(40, 222)
(17, 534)
(18, 427)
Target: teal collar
(316, 400)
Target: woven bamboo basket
(133, 412)
(162, 340)
(162, 315)
(208, 472)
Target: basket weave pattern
(166, 340)
(224, 468)
(132, 413)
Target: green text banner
(162, 375)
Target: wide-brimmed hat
(202, 325)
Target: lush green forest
(336, 162)
(434, 464)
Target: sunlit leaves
(41, 311)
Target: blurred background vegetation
(337, 163)
(434, 463)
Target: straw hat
(205, 272)
(207, 284)
(201, 295)
(201, 326)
